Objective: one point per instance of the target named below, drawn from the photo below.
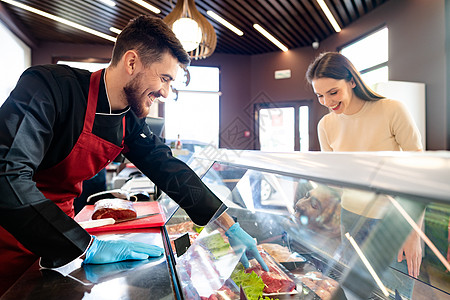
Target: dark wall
(235, 117)
(48, 51)
(296, 88)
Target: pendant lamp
(193, 30)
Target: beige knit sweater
(383, 125)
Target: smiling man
(61, 126)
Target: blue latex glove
(238, 238)
(103, 252)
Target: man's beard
(131, 91)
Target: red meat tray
(142, 208)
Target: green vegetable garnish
(197, 228)
(215, 243)
(251, 283)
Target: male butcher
(61, 125)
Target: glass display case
(328, 225)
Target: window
(276, 129)
(303, 127)
(195, 113)
(370, 56)
(283, 127)
(15, 58)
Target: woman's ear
(352, 82)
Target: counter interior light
(60, 20)
(367, 264)
(270, 37)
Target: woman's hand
(412, 251)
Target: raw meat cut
(275, 281)
(117, 209)
(320, 284)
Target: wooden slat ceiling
(294, 23)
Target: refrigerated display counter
(329, 225)
(340, 225)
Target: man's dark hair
(150, 37)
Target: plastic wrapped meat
(323, 286)
(275, 281)
(280, 253)
(180, 228)
(115, 208)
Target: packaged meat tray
(283, 256)
(181, 228)
(276, 280)
(323, 286)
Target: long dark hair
(337, 66)
(151, 38)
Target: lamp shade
(188, 32)
(185, 9)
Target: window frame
(179, 91)
(294, 104)
(361, 37)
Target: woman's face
(337, 95)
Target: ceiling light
(224, 22)
(109, 2)
(188, 32)
(147, 6)
(329, 15)
(193, 30)
(270, 37)
(115, 30)
(61, 20)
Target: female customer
(359, 119)
(362, 120)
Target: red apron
(61, 184)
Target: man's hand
(240, 239)
(413, 254)
(103, 252)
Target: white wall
(412, 94)
(15, 57)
